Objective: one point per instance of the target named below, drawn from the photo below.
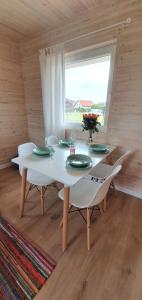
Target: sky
(88, 82)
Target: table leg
(65, 218)
(23, 191)
(105, 204)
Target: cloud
(88, 81)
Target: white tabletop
(55, 166)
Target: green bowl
(101, 148)
(42, 151)
(66, 142)
(79, 160)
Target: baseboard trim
(129, 192)
(3, 166)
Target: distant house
(70, 105)
(84, 104)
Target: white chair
(51, 140)
(103, 170)
(87, 193)
(35, 179)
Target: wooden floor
(112, 270)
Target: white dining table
(55, 167)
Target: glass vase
(90, 136)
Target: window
(88, 77)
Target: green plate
(66, 142)
(100, 148)
(42, 151)
(79, 160)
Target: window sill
(77, 126)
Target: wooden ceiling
(26, 18)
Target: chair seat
(86, 193)
(82, 193)
(101, 170)
(37, 178)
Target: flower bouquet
(90, 123)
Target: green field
(77, 117)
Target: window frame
(85, 54)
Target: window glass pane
(86, 85)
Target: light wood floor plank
(110, 270)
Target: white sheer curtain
(52, 77)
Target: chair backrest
(103, 187)
(51, 140)
(23, 150)
(122, 158)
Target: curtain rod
(127, 21)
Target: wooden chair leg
(23, 191)
(105, 204)
(28, 190)
(88, 229)
(61, 223)
(42, 200)
(113, 185)
(101, 209)
(55, 184)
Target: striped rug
(23, 268)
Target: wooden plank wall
(13, 120)
(125, 116)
